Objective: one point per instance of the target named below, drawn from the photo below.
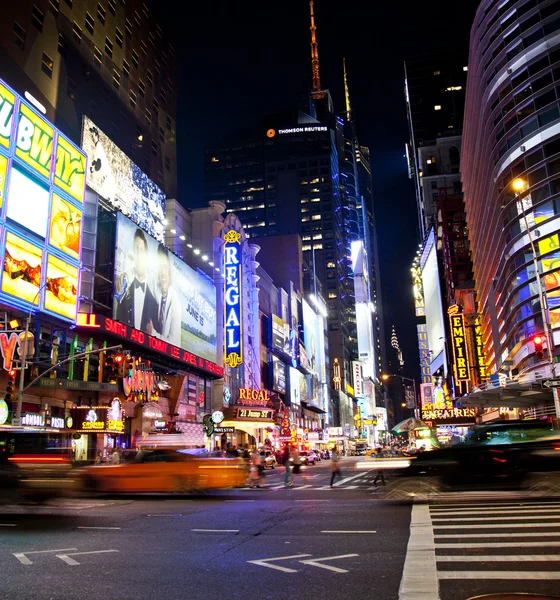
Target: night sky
(241, 59)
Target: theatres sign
(454, 414)
(130, 334)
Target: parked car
(269, 460)
(308, 458)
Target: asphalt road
(277, 544)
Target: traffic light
(119, 364)
(538, 341)
(109, 368)
(10, 386)
(128, 365)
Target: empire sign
(461, 360)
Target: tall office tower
(512, 134)
(285, 179)
(107, 60)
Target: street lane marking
(494, 535)
(312, 500)
(507, 511)
(216, 530)
(502, 558)
(497, 525)
(301, 487)
(84, 527)
(500, 545)
(70, 561)
(317, 562)
(420, 578)
(505, 575)
(239, 500)
(265, 562)
(8, 525)
(21, 556)
(347, 479)
(351, 487)
(478, 519)
(165, 515)
(346, 531)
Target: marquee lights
(233, 350)
(460, 355)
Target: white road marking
(70, 561)
(502, 558)
(165, 515)
(494, 535)
(216, 530)
(312, 500)
(83, 527)
(8, 525)
(497, 525)
(420, 579)
(501, 545)
(265, 562)
(347, 479)
(21, 556)
(351, 487)
(239, 500)
(346, 531)
(301, 487)
(317, 562)
(505, 575)
(478, 519)
(508, 509)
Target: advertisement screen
(22, 269)
(3, 171)
(121, 183)
(34, 140)
(28, 203)
(296, 379)
(278, 375)
(434, 309)
(315, 349)
(61, 295)
(280, 335)
(66, 226)
(157, 293)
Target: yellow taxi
(167, 470)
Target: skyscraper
(107, 60)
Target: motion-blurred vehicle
(269, 460)
(167, 470)
(35, 465)
(308, 458)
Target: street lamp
(387, 376)
(519, 185)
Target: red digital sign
(135, 336)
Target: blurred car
(269, 460)
(308, 458)
(167, 470)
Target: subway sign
(460, 356)
(233, 342)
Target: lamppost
(387, 376)
(519, 185)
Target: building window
(168, 122)
(90, 23)
(150, 78)
(112, 5)
(152, 40)
(97, 56)
(76, 33)
(71, 89)
(47, 65)
(168, 163)
(331, 265)
(161, 134)
(437, 107)
(55, 6)
(157, 67)
(19, 35)
(143, 47)
(135, 58)
(148, 116)
(119, 37)
(162, 96)
(332, 295)
(69, 3)
(108, 47)
(62, 45)
(155, 104)
(133, 98)
(316, 218)
(37, 17)
(141, 88)
(116, 79)
(128, 27)
(137, 18)
(101, 13)
(154, 148)
(125, 69)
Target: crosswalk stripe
(497, 525)
(490, 508)
(505, 575)
(508, 518)
(506, 511)
(499, 545)
(493, 535)
(501, 558)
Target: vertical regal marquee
(461, 360)
(233, 340)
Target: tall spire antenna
(316, 82)
(346, 92)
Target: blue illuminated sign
(233, 346)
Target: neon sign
(479, 348)
(249, 397)
(233, 351)
(459, 345)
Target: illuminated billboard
(121, 182)
(233, 317)
(42, 185)
(459, 343)
(278, 374)
(158, 294)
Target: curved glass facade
(512, 130)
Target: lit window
(47, 65)
(331, 265)
(306, 238)
(315, 199)
(318, 236)
(304, 200)
(437, 107)
(437, 72)
(304, 219)
(214, 159)
(465, 68)
(306, 247)
(316, 218)
(304, 210)
(454, 88)
(318, 247)
(332, 295)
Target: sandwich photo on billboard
(21, 276)
(61, 294)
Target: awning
(314, 409)
(518, 395)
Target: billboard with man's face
(159, 294)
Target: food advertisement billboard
(158, 294)
(122, 183)
(42, 185)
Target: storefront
(446, 426)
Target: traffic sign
(16, 422)
(551, 383)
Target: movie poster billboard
(121, 182)
(157, 293)
(278, 374)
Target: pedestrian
(296, 463)
(99, 458)
(380, 473)
(254, 471)
(285, 460)
(335, 466)
(116, 456)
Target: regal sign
(249, 397)
(233, 342)
(461, 359)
